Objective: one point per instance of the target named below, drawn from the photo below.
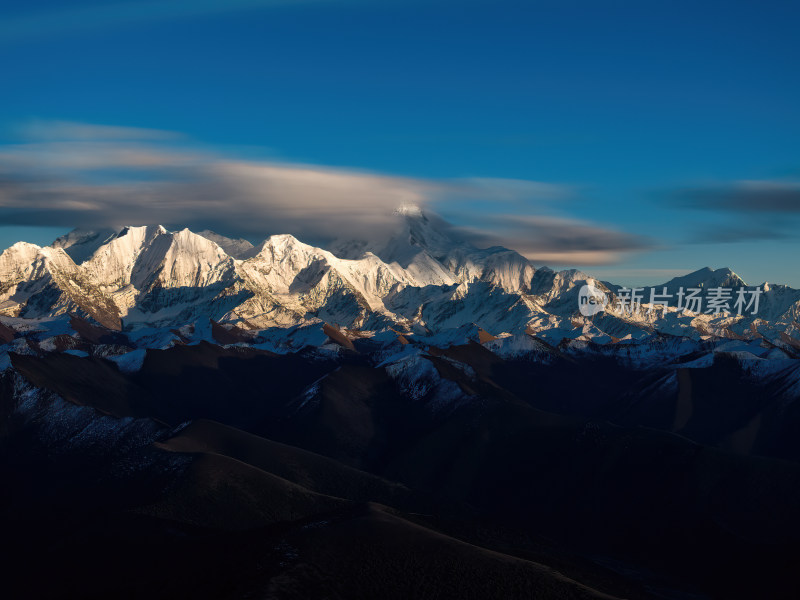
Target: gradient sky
(673, 125)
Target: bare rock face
(7, 334)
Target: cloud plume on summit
(74, 174)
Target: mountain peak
(409, 210)
(81, 243)
(707, 278)
(22, 247)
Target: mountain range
(421, 282)
(188, 415)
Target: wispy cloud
(764, 196)
(750, 232)
(548, 239)
(514, 190)
(73, 131)
(93, 176)
(742, 211)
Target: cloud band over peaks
(73, 174)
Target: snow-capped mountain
(118, 347)
(423, 247)
(37, 282)
(80, 244)
(422, 281)
(706, 278)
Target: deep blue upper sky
(626, 103)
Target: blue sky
(663, 136)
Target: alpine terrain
(188, 415)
